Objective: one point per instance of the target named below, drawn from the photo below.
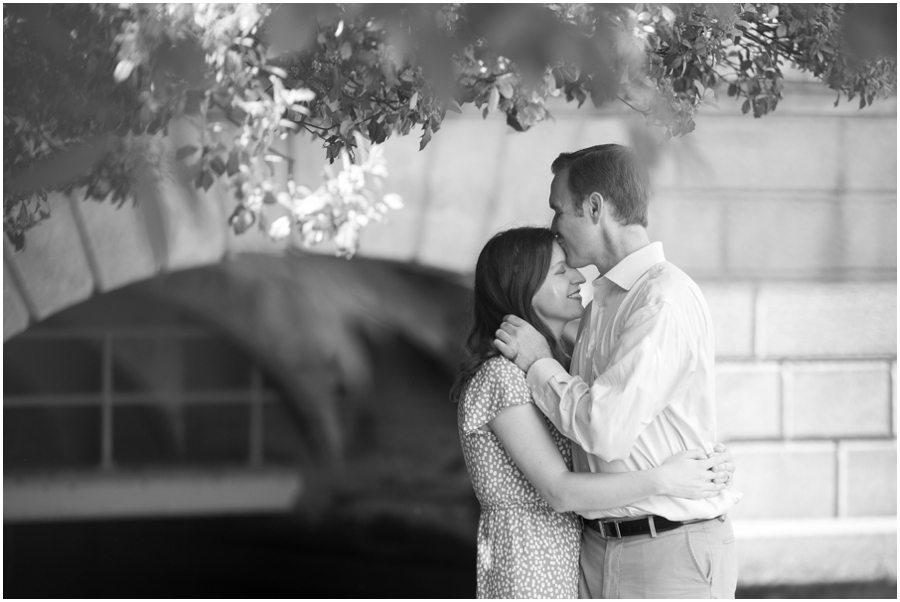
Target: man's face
(577, 234)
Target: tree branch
(641, 111)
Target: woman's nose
(577, 277)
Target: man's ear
(595, 205)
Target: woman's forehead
(558, 254)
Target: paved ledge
(149, 494)
(816, 551)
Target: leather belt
(649, 525)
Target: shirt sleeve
(649, 368)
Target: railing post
(256, 416)
(106, 426)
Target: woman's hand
(691, 474)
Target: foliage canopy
(92, 89)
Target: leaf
(781, 31)
(494, 99)
(123, 70)
(426, 138)
(233, 165)
(207, 180)
(745, 107)
(414, 99)
(452, 105)
(185, 151)
(217, 165)
(506, 89)
(17, 238)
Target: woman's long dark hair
(510, 269)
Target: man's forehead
(558, 188)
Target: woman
(520, 465)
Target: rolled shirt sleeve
(650, 366)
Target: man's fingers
(507, 327)
(709, 463)
(504, 336)
(514, 320)
(505, 349)
(695, 454)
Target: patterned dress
(525, 548)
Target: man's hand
(518, 341)
(730, 466)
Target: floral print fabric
(525, 548)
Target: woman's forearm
(584, 491)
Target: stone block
(461, 188)
(781, 236)
(15, 311)
(870, 482)
(194, 221)
(732, 152)
(870, 231)
(118, 239)
(785, 480)
(795, 552)
(828, 320)
(690, 231)
(524, 184)
(870, 152)
(55, 271)
(731, 306)
(748, 401)
(839, 399)
(894, 398)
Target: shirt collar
(626, 272)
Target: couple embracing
(597, 472)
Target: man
(642, 385)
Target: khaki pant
(698, 560)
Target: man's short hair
(613, 170)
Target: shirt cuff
(542, 371)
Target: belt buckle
(604, 526)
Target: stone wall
(789, 224)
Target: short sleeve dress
(525, 548)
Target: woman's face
(558, 300)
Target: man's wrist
(543, 369)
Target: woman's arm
(524, 434)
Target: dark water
(260, 557)
(266, 557)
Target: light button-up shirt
(642, 383)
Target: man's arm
(649, 367)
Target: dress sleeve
(498, 385)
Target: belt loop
(652, 526)
(602, 528)
(618, 530)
